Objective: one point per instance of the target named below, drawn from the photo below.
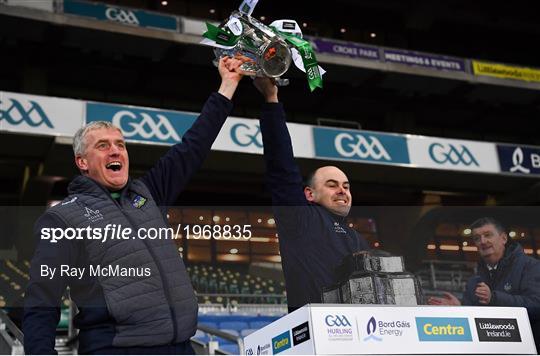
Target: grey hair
(79, 141)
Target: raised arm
(283, 176)
(174, 170)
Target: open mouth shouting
(115, 166)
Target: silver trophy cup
(270, 55)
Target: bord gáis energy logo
(371, 329)
(377, 329)
(443, 329)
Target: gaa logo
(337, 320)
(358, 145)
(145, 126)
(442, 154)
(121, 15)
(245, 135)
(16, 113)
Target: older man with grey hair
(133, 295)
(506, 275)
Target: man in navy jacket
(311, 221)
(151, 307)
(506, 275)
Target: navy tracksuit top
(312, 240)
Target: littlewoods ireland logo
(300, 333)
(448, 153)
(16, 113)
(443, 329)
(371, 328)
(497, 330)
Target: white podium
(382, 329)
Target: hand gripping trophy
(270, 49)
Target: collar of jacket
(338, 218)
(86, 185)
(511, 251)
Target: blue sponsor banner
(425, 60)
(519, 159)
(348, 49)
(119, 14)
(281, 342)
(360, 146)
(148, 125)
(443, 329)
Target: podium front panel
(383, 329)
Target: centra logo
(443, 329)
(281, 342)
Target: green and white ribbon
(220, 36)
(308, 58)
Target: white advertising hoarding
(40, 114)
(461, 155)
(46, 5)
(244, 135)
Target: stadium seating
(234, 280)
(449, 276)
